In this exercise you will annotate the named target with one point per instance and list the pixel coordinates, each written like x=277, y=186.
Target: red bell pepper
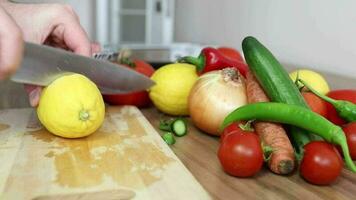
x=140, y=98
x=212, y=59
x=231, y=53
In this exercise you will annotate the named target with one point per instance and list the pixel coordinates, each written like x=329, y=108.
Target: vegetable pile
x=263, y=114
x=294, y=122
x=317, y=142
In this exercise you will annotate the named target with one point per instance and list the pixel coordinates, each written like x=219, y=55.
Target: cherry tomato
x=231, y=53
x=321, y=163
x=139, y=99
x=350, y=133
x=241, y=154
x=315, y=103
x=332, y=115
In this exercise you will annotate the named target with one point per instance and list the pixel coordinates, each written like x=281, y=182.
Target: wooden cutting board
x=125, y=159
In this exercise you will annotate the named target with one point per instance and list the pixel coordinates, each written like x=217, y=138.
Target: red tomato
x=231, y=53
x=241, y=154
x=348, y=95
x=321, y=163
x=139, y=99
x=315, y=103
x=233, y=127
x=350, y=133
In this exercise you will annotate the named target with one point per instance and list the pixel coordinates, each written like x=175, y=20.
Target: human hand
x=55, y=25
x=11, y=45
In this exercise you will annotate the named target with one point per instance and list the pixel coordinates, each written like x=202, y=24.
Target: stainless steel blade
x=43, y=64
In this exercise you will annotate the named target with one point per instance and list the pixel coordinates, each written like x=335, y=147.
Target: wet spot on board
x=4, y=127
x=124, y=157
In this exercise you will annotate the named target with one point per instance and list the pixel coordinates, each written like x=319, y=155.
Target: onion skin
x=214, y=95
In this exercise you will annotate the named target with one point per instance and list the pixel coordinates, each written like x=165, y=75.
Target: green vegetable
x=346, y=109
x=296, y=116
x=178, y=126
x=168, y=137
x=277, y=84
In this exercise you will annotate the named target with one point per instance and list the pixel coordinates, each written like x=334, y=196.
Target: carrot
x=281, y=160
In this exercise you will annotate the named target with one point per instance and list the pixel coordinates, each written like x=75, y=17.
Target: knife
x=43, y=64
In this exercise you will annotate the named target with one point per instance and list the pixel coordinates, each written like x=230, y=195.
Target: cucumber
x=168, y=137
x=277, y=84
x=178, y=126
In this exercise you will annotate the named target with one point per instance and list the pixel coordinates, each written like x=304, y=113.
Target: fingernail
x=35, y=96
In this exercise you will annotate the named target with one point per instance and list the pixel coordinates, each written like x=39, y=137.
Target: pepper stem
x=199, y=62
x=330, y=100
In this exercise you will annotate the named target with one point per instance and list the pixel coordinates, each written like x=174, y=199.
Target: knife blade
x=43, y=64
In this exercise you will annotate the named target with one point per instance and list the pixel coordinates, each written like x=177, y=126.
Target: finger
x=76, y=39
x=73, y=36
x=11, y=45
x=34, y=94
x=95, y=47
x=57, y=44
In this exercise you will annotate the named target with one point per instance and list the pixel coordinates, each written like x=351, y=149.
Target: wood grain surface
x=198, y=152
x=125, y=159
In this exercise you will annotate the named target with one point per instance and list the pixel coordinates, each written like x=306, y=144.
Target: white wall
x=319, y=34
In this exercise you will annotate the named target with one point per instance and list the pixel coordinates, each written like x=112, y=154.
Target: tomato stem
x=247, y=126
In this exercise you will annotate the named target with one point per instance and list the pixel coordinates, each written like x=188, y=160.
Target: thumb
x=34, y=94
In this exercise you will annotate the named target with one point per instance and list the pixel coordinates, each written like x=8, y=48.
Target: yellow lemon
x=312, y=78
x=71, y=107
x=173, y=84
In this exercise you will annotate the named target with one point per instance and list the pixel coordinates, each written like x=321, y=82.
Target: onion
x=214, y=95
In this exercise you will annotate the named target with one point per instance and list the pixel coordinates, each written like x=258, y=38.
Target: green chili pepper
x=346, y=109
x=296, y=116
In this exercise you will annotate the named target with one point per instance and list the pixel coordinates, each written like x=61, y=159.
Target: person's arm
x=11, y=45
x=56, y=25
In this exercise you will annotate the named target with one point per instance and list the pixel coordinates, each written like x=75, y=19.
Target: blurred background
x=318, y=34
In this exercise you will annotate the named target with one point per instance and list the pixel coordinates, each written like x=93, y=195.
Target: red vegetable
x=350, y=133
x=315, y=103
x=321, y=163
x=211, y=59
x=348, y=95
x=139, y=99
x=240, y=153
x=231, y=53
x=233, y=127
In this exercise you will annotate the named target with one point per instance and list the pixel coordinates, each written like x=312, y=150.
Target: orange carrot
x=282, y=160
